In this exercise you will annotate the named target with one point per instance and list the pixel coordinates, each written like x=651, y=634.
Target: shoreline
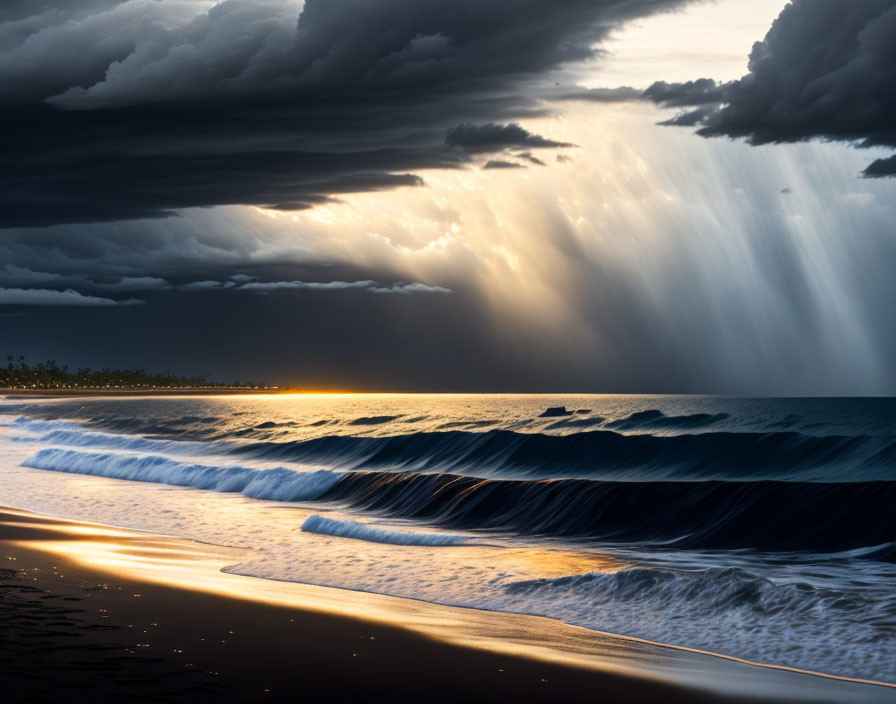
x=328, y=638
x=241, y=649
x=13, y=393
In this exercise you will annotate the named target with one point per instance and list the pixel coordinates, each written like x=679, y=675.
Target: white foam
x=362, y=531
x=277, y=484
x=75, y=437
x=768, y=611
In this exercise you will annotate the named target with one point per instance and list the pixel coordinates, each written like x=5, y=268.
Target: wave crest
x=603, y=453
x=715, y=589
x=278, y=484
x=763, y=515
x=372, y=534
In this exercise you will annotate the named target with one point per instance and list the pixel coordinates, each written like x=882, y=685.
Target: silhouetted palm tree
x=48, y=375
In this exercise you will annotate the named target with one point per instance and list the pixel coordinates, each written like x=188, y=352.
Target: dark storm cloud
x=365, y=285
x=690, y=118
x=20, y=276
x=122, y=110
x=18, y=10
x=527, y=156
x=33, y=296
x=407, y=288
x=699, y=92
x=500, y=164
x=824, y=70
x=705, y=96
x=146, y=284
x=203, y=249
x=882, y=167
x=605, y=95
x=135, y=283
x=49, y=297
x=491, y=137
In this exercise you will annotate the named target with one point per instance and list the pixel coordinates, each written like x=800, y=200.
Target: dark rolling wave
x=761, y=515
x=601, y=453
x=761, y=529
x=657, y=419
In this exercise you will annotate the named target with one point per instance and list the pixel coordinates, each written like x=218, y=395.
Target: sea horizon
x=448, y=351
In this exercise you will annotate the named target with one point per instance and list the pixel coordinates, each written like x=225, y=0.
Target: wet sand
x=88, y=612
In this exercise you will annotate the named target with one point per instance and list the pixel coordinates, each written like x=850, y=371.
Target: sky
x=620, y=196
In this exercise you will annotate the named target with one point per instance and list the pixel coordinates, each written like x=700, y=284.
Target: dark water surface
x=760, y=528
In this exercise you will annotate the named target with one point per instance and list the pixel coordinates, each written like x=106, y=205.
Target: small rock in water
x=555, y=411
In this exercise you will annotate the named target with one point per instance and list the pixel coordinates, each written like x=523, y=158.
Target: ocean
x=763, y=529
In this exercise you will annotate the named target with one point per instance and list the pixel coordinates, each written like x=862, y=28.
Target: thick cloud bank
x=49, y=297
x=643, y=259
x=147, y=284
x=132, y=109
x=826, y=69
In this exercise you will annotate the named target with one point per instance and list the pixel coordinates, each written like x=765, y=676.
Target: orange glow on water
x=182, y=564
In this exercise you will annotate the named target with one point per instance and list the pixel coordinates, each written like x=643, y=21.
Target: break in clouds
x=823, y=71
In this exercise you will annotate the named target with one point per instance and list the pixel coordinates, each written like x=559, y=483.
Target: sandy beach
x=89, y=611
x=73, y=628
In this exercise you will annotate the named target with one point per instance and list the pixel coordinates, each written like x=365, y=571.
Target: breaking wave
x=729, y=610
x=372, y=534
x=657, y=419
x=599, y=453
x=74, y=435
x=278, y=484
x=715, y=589
x=763, y=515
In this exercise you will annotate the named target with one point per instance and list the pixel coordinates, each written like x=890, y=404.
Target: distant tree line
x=49, y=375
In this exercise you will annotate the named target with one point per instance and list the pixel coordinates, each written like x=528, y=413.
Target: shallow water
x=758, y=528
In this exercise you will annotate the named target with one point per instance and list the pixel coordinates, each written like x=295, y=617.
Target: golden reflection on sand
x=545, y=563
x=145, y=557
x=169, y=561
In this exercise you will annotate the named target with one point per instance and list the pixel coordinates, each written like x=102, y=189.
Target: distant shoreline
x=11, y=392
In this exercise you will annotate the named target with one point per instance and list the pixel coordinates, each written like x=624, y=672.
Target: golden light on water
x=317, y=392
x=544, y=563
x=132, y=555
